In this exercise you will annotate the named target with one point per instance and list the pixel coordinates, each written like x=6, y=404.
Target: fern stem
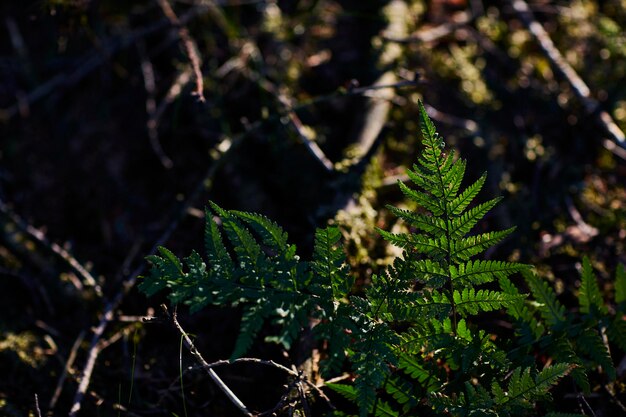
x=446, y=216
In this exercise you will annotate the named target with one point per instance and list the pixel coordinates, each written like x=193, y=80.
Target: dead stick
x=91, y=62
x=190, y=47
x=40, y=238
x=150, y=86
x=218, y=381
x=558, y=61
x=66, y=369
x=223, y=150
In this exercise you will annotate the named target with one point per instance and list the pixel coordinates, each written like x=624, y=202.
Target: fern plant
x=580, y=337
x=410, y=338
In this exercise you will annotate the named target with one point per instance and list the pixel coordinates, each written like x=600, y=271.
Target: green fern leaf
x=427, y=224
x=460, y=202
x=464, y=249
x=329, y=263
x=470, y=301
x=589, y=296
x=251, y=323
x=590, y=342
x=219, y=259
x=167, y=270
x=273, y=235
x=462, y=225
x=549, y=307
x=429, y=272
x=617, y=332
x=424, y=200
x=480, y=272
x=401, y=391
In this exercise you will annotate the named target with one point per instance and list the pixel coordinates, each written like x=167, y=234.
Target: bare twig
x=66, y=369
x=190, y=46
x=92, y=60
x=39, y=237
x=457, y=20
x=467, y=124
x=221, y=154
x=150, y=86
x=558, y=61
x=218, y=381
x=175, y=89
x=37, y=406
x=208, y=367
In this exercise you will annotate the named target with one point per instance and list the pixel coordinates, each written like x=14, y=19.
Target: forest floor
x=119, y=121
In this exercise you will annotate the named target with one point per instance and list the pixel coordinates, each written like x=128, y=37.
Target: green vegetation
x=121, y=121
x=413, y=332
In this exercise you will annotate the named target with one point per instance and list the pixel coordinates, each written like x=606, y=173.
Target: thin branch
x=66, y=369
x=92, y=60
x=218, y=381
x=220, y=155
x=38, y=236
x=37, y=406
x=209, y=366
x=433, y=34
x=592, y=106
x=150, y=86
x=190, y=47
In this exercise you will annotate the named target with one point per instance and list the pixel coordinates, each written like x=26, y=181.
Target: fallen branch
x=66, y=370
x=151, y=108
x=39, y=237
x=208, y=367
x=220, y=156
x=91, y=61
x=218, y=381
x=592, y=106
x=190, y=47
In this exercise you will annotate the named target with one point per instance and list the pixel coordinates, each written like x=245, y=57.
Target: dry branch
x=218, y=381
x=190, y=47
x=562, y=66
x=221, y=153
x=149, y=83
x=39, y=237
x=208, y=367
x=92, y=60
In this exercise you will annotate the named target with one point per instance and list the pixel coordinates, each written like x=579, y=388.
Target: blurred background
x=119, y=121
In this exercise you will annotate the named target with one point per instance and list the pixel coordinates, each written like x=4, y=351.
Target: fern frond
x=480, y=272
x=551, y=310
x=470, y=301
x=589, y=296
x=460, y=202
x=430, y=272
x=401, y=391
x=465, y=248
x=166, y=270
x=272, y=234
x=251, y=323
x=329, y=263
x=462, y=225
x=418, y=243
x=427, y=224
x=617, y=332
x=523, y=390
x=562, y=350
x=435, y=206
x=590, y=342
x=372, y=354
x=219, y=259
